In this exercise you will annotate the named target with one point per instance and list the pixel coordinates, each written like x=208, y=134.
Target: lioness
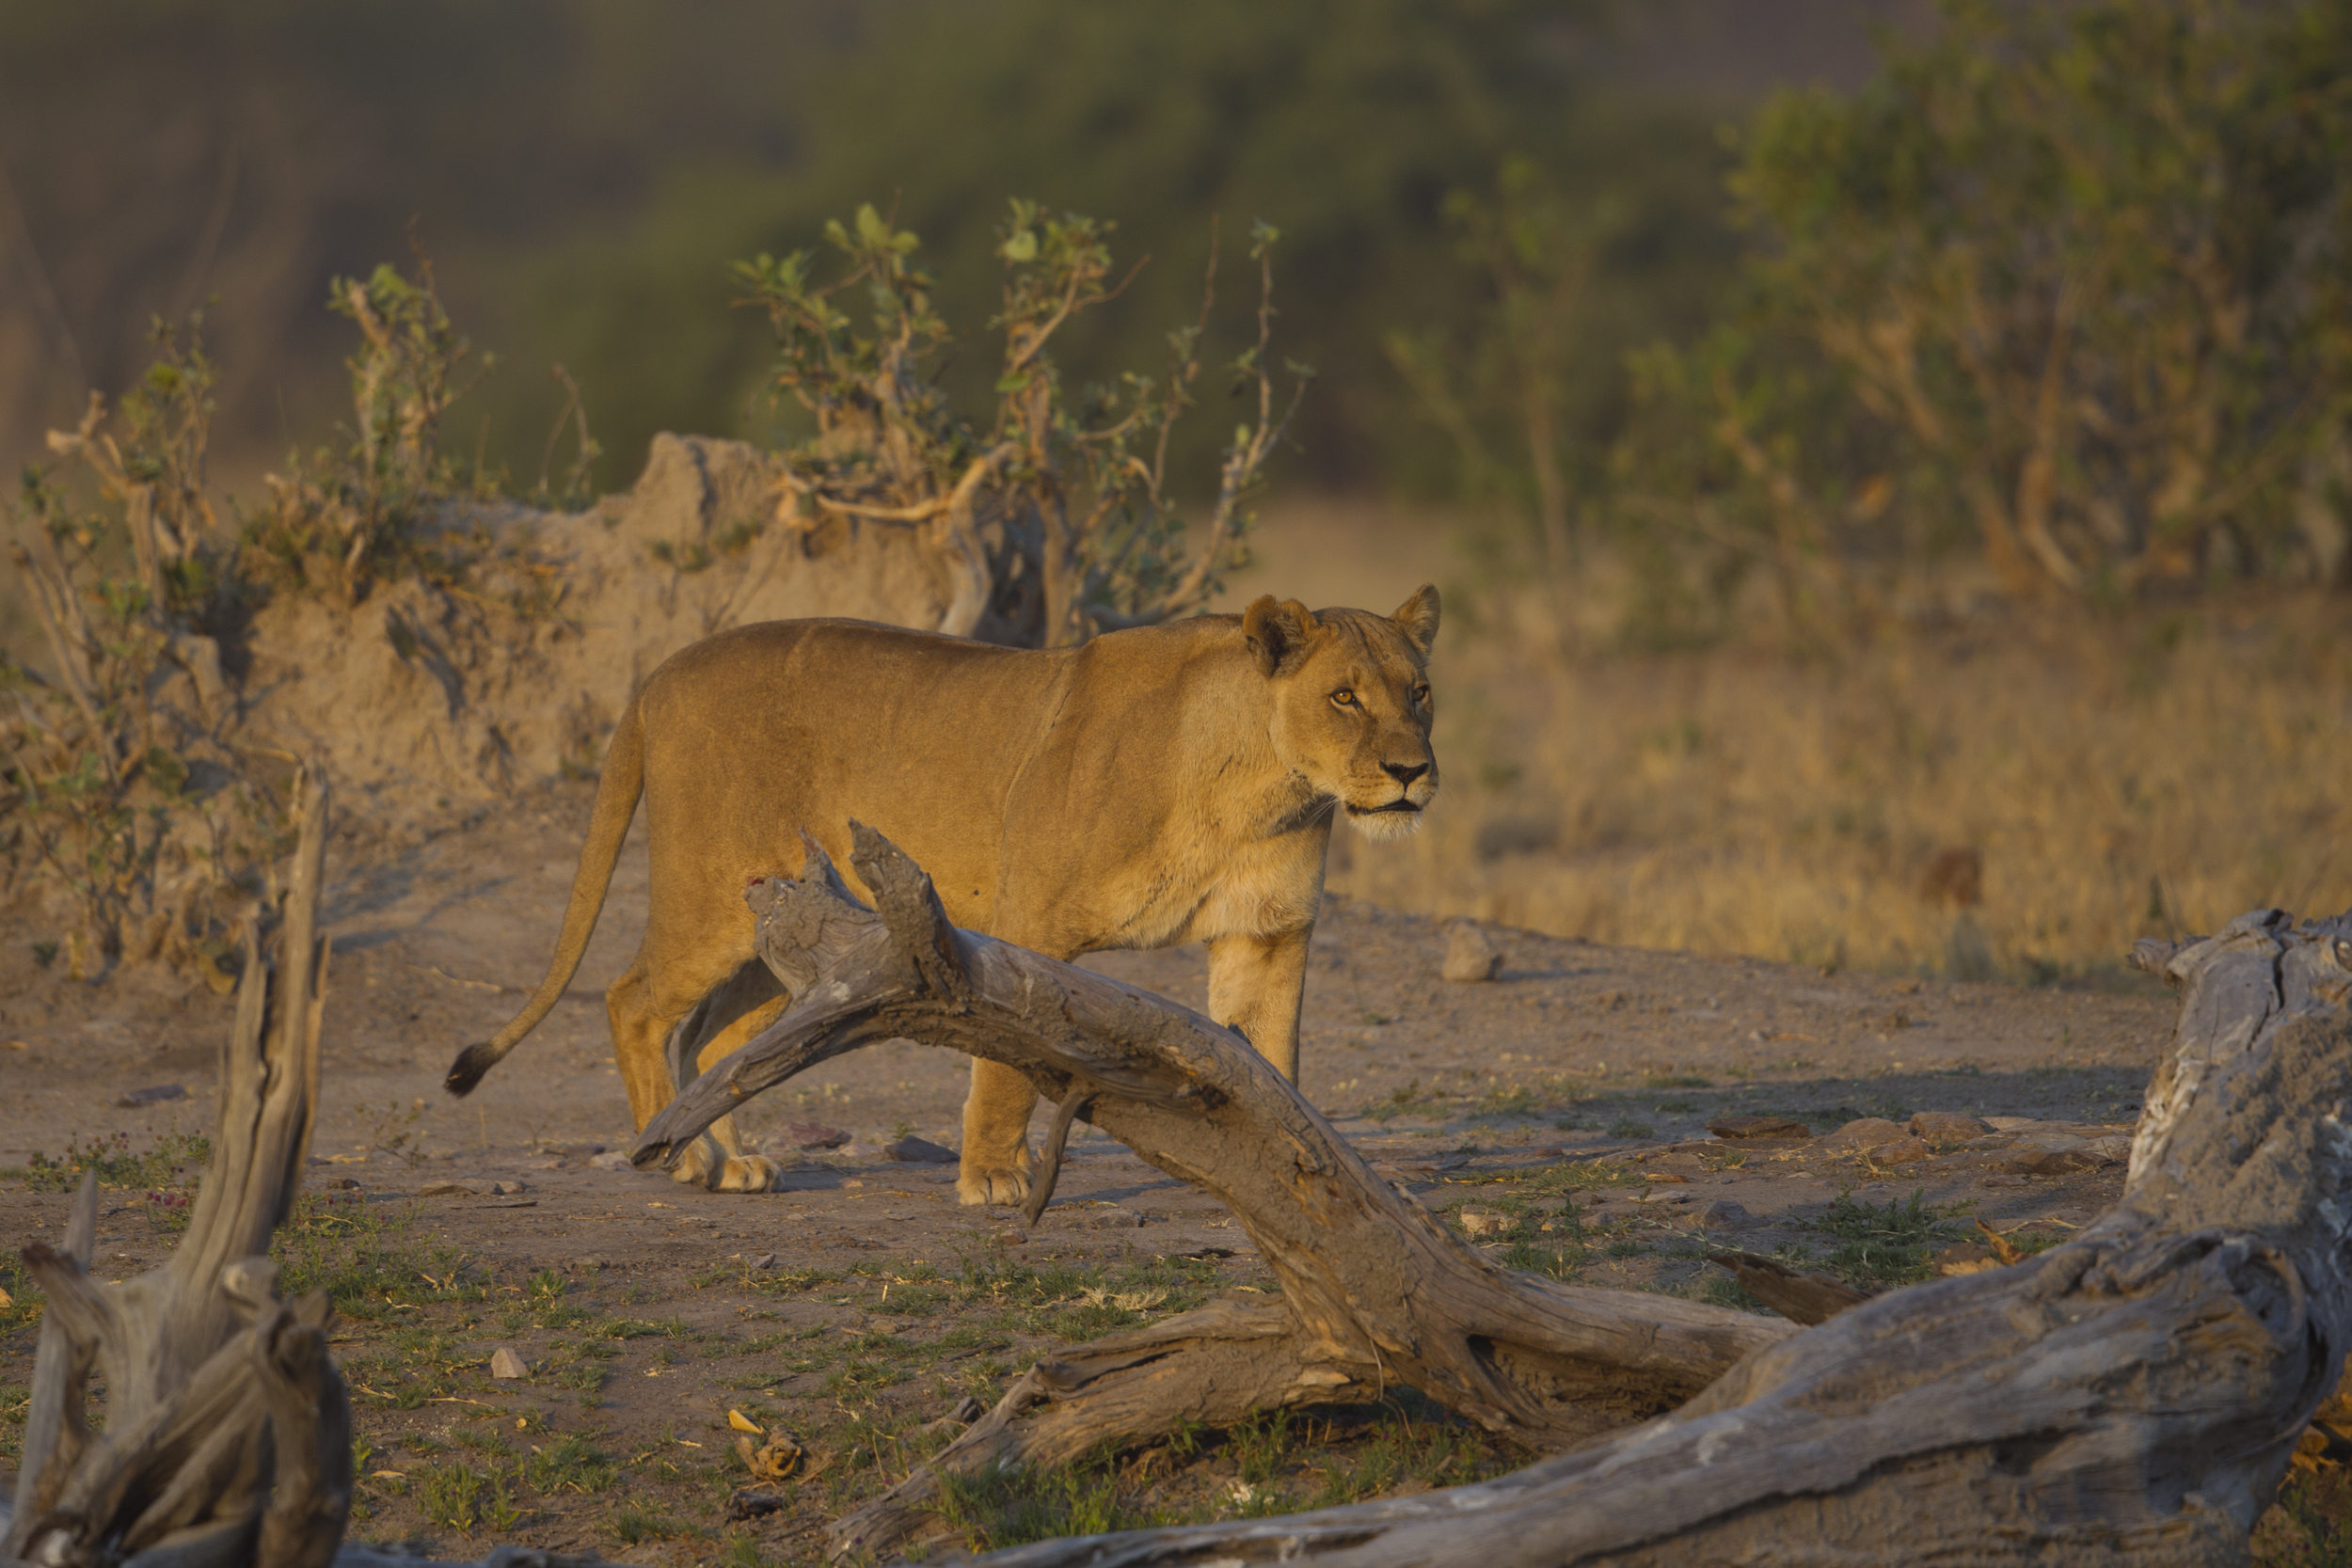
x=1166, y=784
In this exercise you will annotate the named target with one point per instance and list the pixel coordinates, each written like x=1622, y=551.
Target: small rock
x=589, y=1264
x=1948, y=1126
x=451, y=1189
x=2051, y=1154
x=1484, y=1222
x=510, y=1189
x=2010, y=1124
x=1733, y=1129
x=344, y=1183
x=765, y=1260
x=1664, y=1195
x=1468, y=956
x=505, y=1364
x=614, y=1160
x=1864, y=1133
x=155, y=1095
x=920, y=1151
x=1901, y=1152
x=815, y=1135
x=1721, y=1213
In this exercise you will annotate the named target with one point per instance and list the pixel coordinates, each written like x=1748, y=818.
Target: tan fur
x=1168, y=784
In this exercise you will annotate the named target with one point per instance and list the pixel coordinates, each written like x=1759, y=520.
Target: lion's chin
x=1382, y=826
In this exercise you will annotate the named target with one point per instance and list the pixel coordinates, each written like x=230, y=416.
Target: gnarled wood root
x=1374, y=1292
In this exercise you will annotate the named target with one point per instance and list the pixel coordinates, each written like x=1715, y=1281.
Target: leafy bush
x=1056, y=518
x=2069, y=282
x=109, y=798
x=122, y=789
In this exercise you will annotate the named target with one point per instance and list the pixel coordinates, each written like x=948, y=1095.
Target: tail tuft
x=471, y=1063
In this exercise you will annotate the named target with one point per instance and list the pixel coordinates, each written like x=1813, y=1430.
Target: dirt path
x=1563, y=1106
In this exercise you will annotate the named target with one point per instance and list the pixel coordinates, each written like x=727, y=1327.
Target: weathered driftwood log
x=228, y=1437
x=2132, y=1397
x=1374, y=1292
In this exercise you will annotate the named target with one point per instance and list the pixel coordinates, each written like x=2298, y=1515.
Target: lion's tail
x=608, y=825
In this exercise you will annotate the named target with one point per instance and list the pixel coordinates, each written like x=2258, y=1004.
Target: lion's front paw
x=746, y=1173
x=735, y=1173
x=1006, y=1185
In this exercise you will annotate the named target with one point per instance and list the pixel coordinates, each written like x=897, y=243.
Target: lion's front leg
x=1256, y=984
x=995, y=1163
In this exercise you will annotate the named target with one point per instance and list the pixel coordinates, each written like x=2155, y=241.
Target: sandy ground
x=646, y=1311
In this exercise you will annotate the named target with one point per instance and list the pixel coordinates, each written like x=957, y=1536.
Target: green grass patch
x=632, y=1523
x=1401, y=1102
x=466, y=1497
x=369, y=1260
x=570, y=1464
x=1627, y=1127
x=1887, y=1244
x=1510, y=1099
x=1014, y=1505
x=1427, y=1444
x=175, y=1161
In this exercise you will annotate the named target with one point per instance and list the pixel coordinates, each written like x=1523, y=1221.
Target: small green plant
x=461, y=1497
x=1628, y=1126
x=168, y=1163
x=1885, y=1244
x=1509, y=1099
x=1401, y=1102
x=131, y=587
x=346, y=517
x=1011, y=1505
x=570, y=1464
x=1072, y=486
x=633, y=1523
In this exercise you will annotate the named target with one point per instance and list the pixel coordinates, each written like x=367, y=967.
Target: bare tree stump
x=228, y=1437
x=1374, y=1292
x=2132, y=1397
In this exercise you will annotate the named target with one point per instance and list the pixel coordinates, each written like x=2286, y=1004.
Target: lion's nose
x=1404, y=773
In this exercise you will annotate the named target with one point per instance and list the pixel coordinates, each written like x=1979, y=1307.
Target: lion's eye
x=1343, y=697
x=1421, y=695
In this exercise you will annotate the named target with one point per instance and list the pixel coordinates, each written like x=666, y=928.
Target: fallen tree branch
x=1374, y=1292
x=2132, y=1397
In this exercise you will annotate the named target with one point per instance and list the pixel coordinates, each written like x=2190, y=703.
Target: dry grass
x=2112, y=779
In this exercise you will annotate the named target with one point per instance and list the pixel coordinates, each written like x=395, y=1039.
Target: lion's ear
x=1417, y=617
x=1276, y=632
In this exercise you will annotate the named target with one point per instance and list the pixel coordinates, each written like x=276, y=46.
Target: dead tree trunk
x=2132, y=1397
x=228, y=1437
x=1375, y=1293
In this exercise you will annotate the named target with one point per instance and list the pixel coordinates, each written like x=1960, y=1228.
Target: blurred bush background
x=1888, y=460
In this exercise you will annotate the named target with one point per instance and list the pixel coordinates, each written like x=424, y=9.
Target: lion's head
x=1351, y=706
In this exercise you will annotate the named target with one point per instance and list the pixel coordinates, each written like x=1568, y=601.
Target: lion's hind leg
x=727, y=1016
